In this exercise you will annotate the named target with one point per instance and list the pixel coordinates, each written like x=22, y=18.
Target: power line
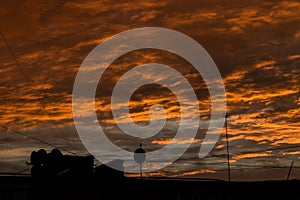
x=256, y=151
x=13, y=174
x=37, y=139
x=245, y=166
x=31, y=87
x=17, y=173
x=14, y=57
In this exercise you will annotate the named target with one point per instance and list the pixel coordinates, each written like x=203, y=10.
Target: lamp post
x=140, y=157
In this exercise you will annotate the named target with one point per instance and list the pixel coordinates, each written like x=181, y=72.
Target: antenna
x=290, y=170
x=228, y=155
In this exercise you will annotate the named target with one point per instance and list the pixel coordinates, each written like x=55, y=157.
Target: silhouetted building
x=104, y=172
x=53, y=164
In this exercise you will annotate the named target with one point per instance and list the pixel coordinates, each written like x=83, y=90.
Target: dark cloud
x=255, y=45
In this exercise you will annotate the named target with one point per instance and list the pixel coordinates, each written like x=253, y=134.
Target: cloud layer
x=255, y=45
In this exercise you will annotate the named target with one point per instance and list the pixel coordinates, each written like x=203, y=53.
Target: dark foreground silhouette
x=25, y=188
x=55, y=176
x=55, y=165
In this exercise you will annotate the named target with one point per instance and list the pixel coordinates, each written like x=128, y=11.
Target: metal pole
x=228, y=156
x=288, y=176
x=141, y=172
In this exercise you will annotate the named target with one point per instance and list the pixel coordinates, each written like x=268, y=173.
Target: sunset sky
x=255, y=45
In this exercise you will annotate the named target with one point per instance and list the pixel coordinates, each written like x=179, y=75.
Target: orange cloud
x=258, y=16
x=293, y=57
x=193, y=173
x=175, y=141
x=291, y=153
x=189, y=18
x=265, y=64
x=251, y=155
x=50, y=41
x=253, y=95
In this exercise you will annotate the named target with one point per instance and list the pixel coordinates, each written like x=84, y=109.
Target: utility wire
x=31, y=87
x=49, y=144
x=256, y=151
x=37, y=139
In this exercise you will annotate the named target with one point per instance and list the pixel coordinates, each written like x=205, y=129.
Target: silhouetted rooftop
x=25, y=188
